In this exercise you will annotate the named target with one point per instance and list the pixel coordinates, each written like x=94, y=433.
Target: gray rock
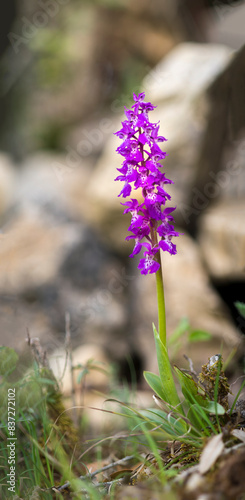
x=227, y=24
x=45, y=183
x=186, y=72
x=60, y=365
x=32, y=251
x=63, y=266
x=222, y=240
x=19, y=314
x=52, y=262
x=223, y=138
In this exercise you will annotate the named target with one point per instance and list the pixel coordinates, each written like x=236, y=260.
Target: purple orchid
x=141, y=169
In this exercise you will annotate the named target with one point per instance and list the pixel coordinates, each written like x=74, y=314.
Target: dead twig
x=109, y=466
x=38, y=353
x=92, y=475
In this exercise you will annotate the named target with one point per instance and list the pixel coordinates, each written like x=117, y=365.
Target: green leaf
x=189, y=387
x=181, y=329
x=198, y=403
x=47, y=381
x=215, y=408
x=199, y=336
x=169, y=423
x=194, y=415
x=82, y=374
x=165, y=372
x=240, y=307
x=155, y=384
x=237, y=396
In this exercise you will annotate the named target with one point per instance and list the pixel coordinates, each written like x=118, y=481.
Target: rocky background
x=69, y=67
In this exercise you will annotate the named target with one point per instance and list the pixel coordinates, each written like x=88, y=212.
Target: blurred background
x=68, y=69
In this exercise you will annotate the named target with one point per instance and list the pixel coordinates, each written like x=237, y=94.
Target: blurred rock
x=94, y=291
x=87, y=141
x=227, y=24
x=188, y=295
x=222, y=240
x=224, y=134
x=228, y=183
x=81, y=356
x=221, y=224
x=107, y=214
x=54, y=185
x=52, y=262
x=96, y=407
x=19, y=314
x=174, y=79
x=64, y=267
x=32, y=251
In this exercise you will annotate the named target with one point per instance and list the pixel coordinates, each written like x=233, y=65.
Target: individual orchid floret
x=149, y=264
x=141, y=168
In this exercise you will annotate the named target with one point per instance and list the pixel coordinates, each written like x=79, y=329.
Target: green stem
x=164, y=365
x=161, y=306
x=160, y=294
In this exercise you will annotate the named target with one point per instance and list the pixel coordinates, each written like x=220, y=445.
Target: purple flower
x=141, y=169
x=149, y=264
x=137, y=246
x=166, y=243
